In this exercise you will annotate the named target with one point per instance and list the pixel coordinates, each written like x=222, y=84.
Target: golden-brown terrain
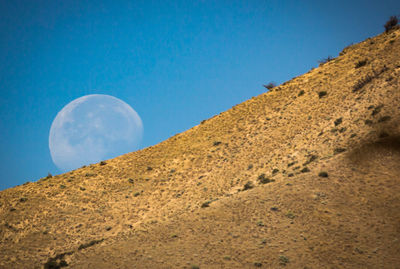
x=306, y=175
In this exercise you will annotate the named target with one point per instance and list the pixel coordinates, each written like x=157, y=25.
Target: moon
x=93, y=128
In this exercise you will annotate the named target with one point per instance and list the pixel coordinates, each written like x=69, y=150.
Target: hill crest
x=303, y=175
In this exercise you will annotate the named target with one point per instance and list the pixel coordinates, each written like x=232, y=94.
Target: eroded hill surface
x=304, y=176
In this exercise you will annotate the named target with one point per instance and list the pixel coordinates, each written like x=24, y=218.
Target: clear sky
x=175, y=62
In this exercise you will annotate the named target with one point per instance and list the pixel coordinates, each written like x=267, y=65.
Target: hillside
x=306, y=175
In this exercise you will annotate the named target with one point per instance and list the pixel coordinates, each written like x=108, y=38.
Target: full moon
x=93, y=128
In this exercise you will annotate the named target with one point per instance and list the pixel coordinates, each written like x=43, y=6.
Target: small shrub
x=82, y=188
x=275, y=171
x=361, y=63
x=310, y=159
x=57, y=261
x=216, y=143
x=91, y=243
x=323, y=174
x=195, y=267
x=283, y=260
x=264, y=180
x=257, y=264
x=270, y=85
x=326, y=60
x=338, y=121
x=305, y=170
x=62, y=186
x=23, y=199
x=103, y=163
x=391, y=23
x=205, y=204
x=339, y=150
x=250, y=167
x=300, y=93
x=368, y=122
x=376, y=110
x=290, y=215
x=322, y=94
x=149, y=168
x=136, y=194
x=49, y=175
x=249, y=185
x=362, y=82
x=384, y=118
x=131, y=180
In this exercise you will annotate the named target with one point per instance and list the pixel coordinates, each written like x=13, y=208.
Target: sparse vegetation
x=290, y=215
x=283, y=260
x=57, y=262
x=326, y=60
x=368, y=122
x=249, y=185
x=391, y=23
x=311, y=158
x=384, y=119
x=216, y=143
x=362, y=82
x=264, y=180
x=338, y=121
x=322, y=94
x=323, y=174
x=136, y=194
x=361, y=63
x=91, y=243
x=205, y=204
x=270, y=85
x=103, y=163
x=376, y=110
x=23, y=199
x=257, y=264
x=305, y=170
x=339, y=150
x=300, y=93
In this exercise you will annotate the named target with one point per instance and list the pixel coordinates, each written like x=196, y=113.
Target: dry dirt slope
x=241, y=190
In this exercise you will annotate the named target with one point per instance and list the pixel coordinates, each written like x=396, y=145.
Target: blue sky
x=175, y=62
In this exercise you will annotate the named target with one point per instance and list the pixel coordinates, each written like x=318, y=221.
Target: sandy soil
x=303, y=176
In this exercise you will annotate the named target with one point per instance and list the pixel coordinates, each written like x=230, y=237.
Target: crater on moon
x=93, y=128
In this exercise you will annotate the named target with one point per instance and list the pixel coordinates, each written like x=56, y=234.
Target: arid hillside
x=306, y=175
